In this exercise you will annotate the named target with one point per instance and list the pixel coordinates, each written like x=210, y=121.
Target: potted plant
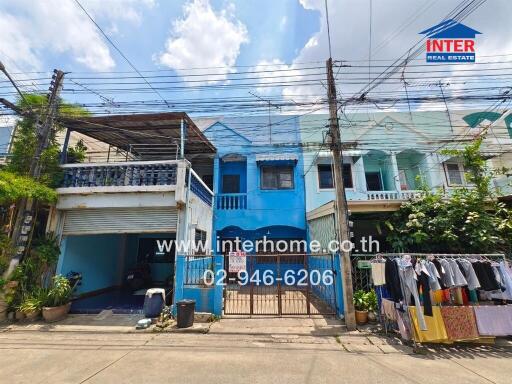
x=372, y=305
x=32, y=304
x=361, y=306
x=57, y=301
x=30, y=307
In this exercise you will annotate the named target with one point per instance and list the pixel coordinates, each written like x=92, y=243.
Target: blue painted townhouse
x=388, y=157
x=258, y=183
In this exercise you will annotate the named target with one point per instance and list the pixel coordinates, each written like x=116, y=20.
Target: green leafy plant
x=360, y=300
x=77, y=153
x=25, y=141
x=371, y=298
x=47, y=250
x=6, y=251
x=33, y=302
x=14, y=187
x=468, y=219
x=35, y=271
x=59, y=293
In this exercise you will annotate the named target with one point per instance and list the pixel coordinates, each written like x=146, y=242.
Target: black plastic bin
x=186, y=310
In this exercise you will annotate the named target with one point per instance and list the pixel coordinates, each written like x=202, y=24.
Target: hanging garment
x=404, y=325
x=435, y=332
x=457, y=296
x=465, y=295
x=392, y=278
x=437, y=297
x=473, y=297
x=460, y=323
x=433, y=278
x=382, y=293
x=447, y=276
x=440, y=272
x=424, y=285
x=378, y=273
x=497, y=277
x=494, y=320
x=506, y=278
x=485, y=276
x=458, y=278
x=409, y=283
x=469, y=273
x=501, y=279
x=447, y=296
x=388, y=309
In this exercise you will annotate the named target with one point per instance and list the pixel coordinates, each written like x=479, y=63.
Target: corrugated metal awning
x=277, y=157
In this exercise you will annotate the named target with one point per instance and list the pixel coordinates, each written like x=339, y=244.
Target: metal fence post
x=337, y=267
x=179, y=275
x=218, y=265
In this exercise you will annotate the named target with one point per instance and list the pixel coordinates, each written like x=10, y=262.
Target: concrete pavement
x=282, y=351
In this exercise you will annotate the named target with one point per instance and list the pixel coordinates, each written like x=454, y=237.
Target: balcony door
x=230, y=183
x=373, y=181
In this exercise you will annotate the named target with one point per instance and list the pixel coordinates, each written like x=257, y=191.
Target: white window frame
x=350, y=162
x=461, y=171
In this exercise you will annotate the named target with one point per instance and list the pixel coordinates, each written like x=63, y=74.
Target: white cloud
x=396, y=26
x=267, y=78
x=204, y=38
x=32, y=28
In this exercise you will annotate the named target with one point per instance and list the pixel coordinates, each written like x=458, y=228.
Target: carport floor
x=119, y=301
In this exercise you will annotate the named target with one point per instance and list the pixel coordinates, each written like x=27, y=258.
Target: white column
x=360, y=178
x=395, y=173
x=434, y=171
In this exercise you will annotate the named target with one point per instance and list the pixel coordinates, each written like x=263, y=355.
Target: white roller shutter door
x=120, y=220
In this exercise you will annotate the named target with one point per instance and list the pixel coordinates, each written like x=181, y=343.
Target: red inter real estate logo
x=450, y=42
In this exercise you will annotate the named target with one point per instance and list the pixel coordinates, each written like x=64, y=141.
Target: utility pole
x=341, y=207
x=26, y=209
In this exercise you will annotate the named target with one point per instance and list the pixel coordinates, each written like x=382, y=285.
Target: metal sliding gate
x=281, y=285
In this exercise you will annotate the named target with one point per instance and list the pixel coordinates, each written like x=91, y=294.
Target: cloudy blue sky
x=225, y=35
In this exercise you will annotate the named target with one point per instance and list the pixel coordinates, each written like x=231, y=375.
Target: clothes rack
x=492, y=258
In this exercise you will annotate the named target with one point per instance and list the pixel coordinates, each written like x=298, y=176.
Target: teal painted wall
x=101, y=260
x=96, y=257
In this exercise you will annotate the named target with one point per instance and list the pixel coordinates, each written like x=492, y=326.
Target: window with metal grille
x=200, y=238
x=276, y=177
